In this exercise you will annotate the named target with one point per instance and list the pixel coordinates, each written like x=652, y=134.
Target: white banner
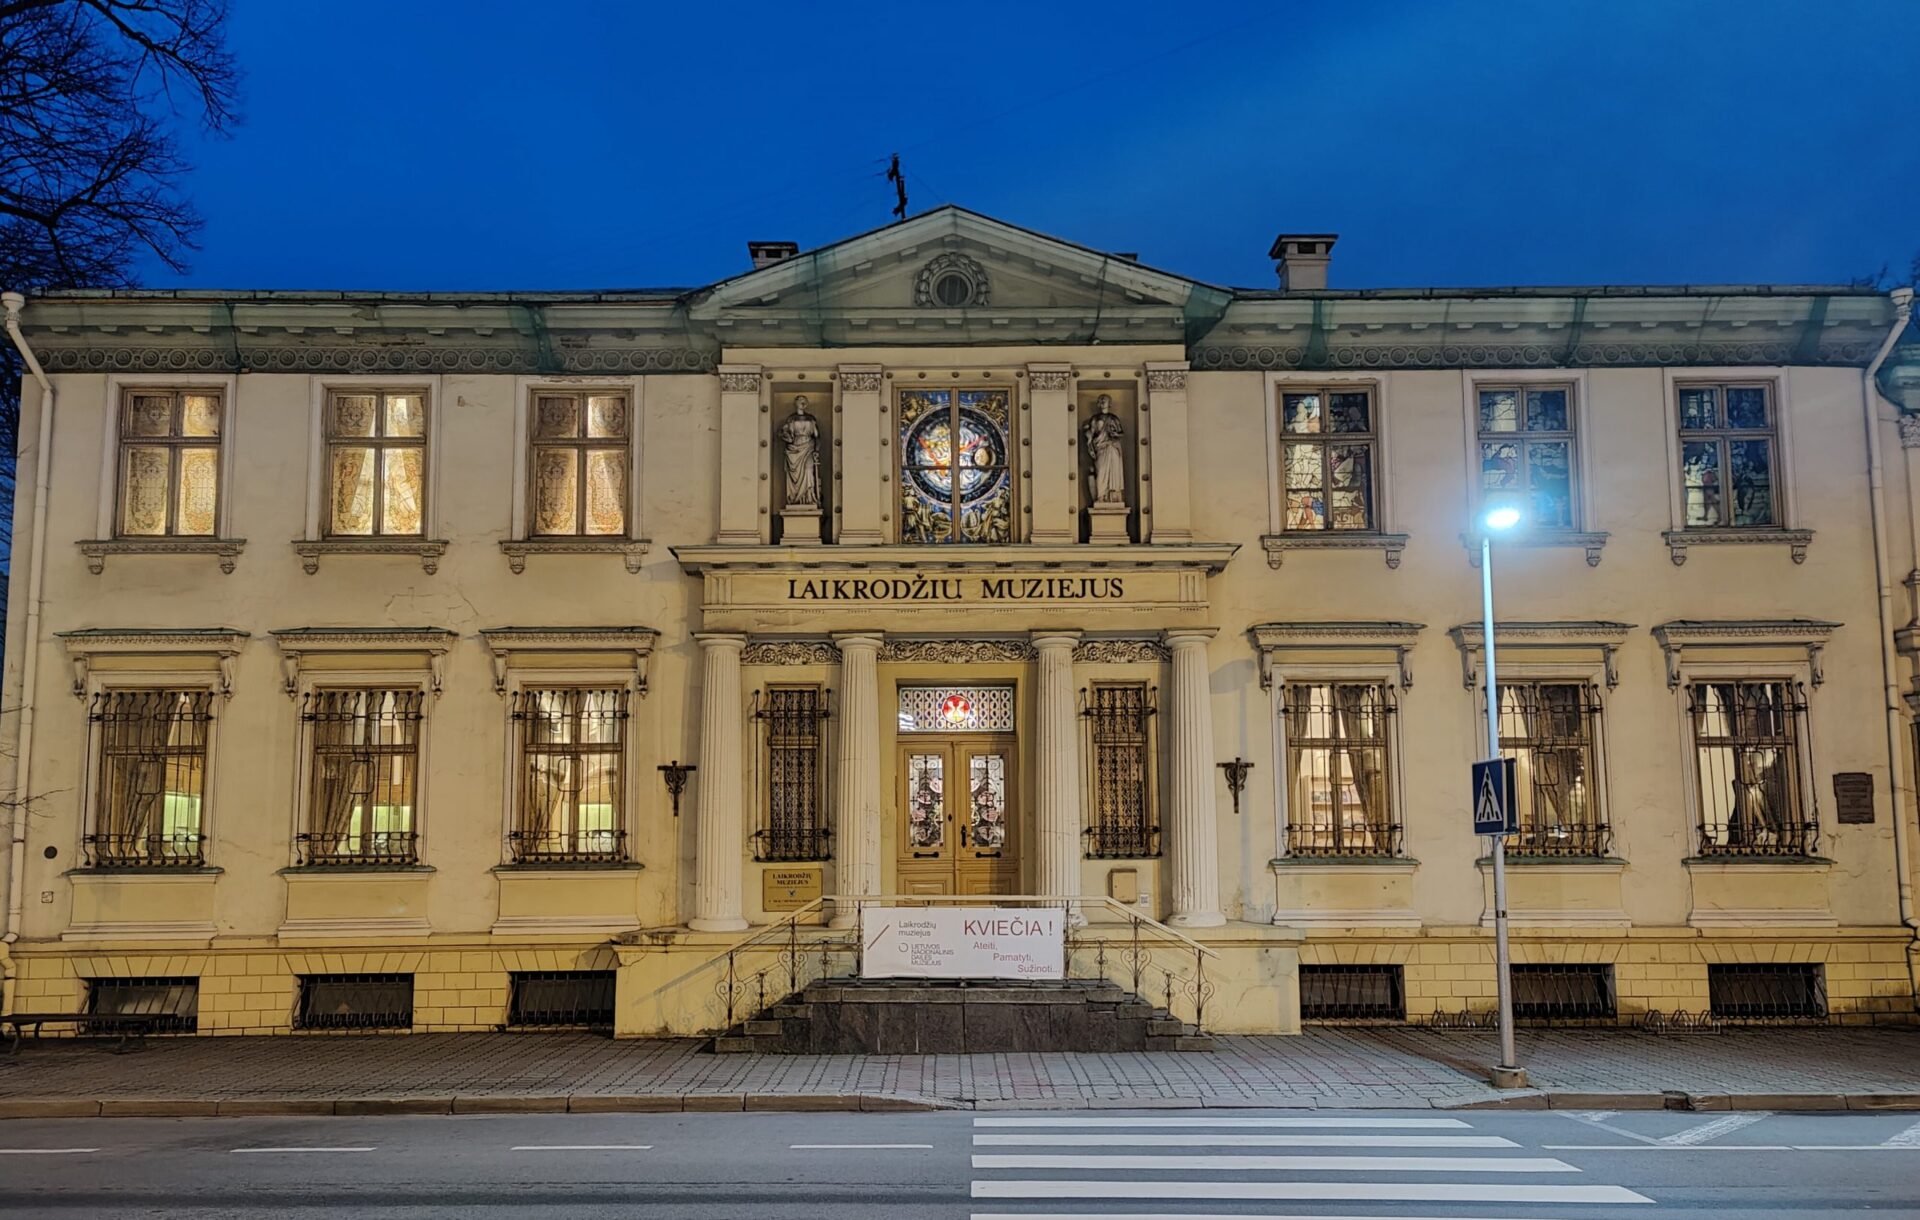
x=963, y=943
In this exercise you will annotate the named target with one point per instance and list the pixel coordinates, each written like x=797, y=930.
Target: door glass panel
x=987, y=801
x=926, y=800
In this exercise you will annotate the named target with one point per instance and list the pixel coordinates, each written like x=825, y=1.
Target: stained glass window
x=170, y=463
x=1526, y=450
x=987, y=801
x=956, y=482
x=926, y=800
x=376, y=463
x=1327, y=450
x=579, y=464
x=1727, y=456
x=956, y=709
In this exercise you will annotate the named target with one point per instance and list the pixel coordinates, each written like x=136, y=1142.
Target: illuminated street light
x=1498, y=517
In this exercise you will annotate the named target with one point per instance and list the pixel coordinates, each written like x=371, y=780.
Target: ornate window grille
x=1551, y=730
x=578, y=466
x=1747, y=740
x=1119, y=718
x=793, y=722
x=363, y=795
x=1727, y=456
x=169, y=464
x=571, y=747
x=152, y=778
x=1527, y=449
x=376, y=463
x=1327, y=451
x=1340, y=800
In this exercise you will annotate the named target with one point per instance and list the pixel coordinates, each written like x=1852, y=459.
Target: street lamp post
x=1507, y=1074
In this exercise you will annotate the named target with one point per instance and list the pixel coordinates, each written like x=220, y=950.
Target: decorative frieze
x=1280, y=358
x=957, y=652
x=860, y=381
x=739, y=383
x=1166, y=380
x=374, y=358
x=1050, y=380
x=1120, y=652
x=790, y=652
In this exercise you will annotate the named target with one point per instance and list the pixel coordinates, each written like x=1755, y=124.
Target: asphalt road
x=1140, y=1165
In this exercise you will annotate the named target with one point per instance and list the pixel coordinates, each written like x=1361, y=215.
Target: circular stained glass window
x=977, y=457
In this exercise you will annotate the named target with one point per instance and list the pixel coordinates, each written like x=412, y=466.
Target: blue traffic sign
x=1494, y=810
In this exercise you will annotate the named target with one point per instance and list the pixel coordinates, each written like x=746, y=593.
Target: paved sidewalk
x=1767, y=1069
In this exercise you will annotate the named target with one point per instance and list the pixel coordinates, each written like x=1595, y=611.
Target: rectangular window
x=354, y=1001
x=1352, y=993
x=1747, y=741
x=793, y=719
x=572, y=761
x=169, y=463
x=376, y=463
x=152, y=778
x=1550, y=730
x=1767, y=991
x=956, y=479
x=1327, y=439
x=1339, y=799
x=560, y=999
x=579, y=464
x=1569, y=992
x=1728, y=456
x=1527, y=450
x=175, y=1002
x=365, y=764
x=1119, y=715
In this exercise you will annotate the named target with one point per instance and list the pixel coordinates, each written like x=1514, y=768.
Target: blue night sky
x=482, y=144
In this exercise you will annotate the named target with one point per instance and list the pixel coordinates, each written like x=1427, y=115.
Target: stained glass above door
x=956, y=709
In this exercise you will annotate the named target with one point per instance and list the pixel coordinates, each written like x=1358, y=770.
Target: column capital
x=721, y=639
x=1188, y=637
x=1047, y=640
x=860, y=378
x=858, y=639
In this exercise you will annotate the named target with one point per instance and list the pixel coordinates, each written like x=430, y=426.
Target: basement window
x=1767, y=990
x=176, y=1001
x=1353, y=993
x=355, y=1001
x=561, y=998
x=1563, y=992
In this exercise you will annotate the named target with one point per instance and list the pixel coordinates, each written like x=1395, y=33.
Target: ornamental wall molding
x=1277, y=545
x=1114, y=652
x=1166, y=380
x=428, y=551
x=790, y=652
x=1050, y=380
x=1274, y=641
x=957, y=651
x=952, y=264
x=1584, y=635
x=297, y=643
x=633, y=551
x=1592, y=541
x=1679, y=635
x=510, y=644
x=96, y=550
x=1796, y=541
x=385, y=357
x=222, y=644
x=739, y=383
x=860, y=381
x=1335, y=355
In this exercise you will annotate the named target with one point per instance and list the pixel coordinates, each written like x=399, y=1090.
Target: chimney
x=1303, y=258
x=767, y=253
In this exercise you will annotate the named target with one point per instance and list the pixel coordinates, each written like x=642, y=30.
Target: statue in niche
x=800, y=437
x=1104, y=435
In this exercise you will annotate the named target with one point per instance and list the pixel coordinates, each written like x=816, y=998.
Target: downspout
x=1896, y=747
x=19, y=791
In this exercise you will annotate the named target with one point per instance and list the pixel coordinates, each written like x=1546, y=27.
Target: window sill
x=1591, y=540
x=633, y=550
x=1277, y=545
x=1678, y=541
x=142, y=870
x=97, y=549
x=1394, y=863
x=1612, y=864
x=311, y=550
x=327, y=870
x=569, y=866
x=1140, y=859
x=1758, y=862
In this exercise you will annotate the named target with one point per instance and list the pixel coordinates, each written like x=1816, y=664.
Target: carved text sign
x=956, y=589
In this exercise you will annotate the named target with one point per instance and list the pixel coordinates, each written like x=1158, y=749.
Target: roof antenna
x=899, y=179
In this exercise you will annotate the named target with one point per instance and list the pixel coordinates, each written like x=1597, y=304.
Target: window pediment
x=1595, y=640
x=214, y=647
x=1686, y=639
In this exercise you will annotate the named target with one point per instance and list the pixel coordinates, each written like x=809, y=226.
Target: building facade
x=365, y=641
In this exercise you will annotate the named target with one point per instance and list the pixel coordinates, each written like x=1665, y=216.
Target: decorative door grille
x=1119, y=720
x=793, y=721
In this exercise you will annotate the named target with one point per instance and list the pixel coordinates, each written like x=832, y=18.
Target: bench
x=127, y=1025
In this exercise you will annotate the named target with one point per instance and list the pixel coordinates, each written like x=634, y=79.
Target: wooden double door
x=959, y=817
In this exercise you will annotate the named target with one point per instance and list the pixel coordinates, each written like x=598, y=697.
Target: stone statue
x=800, y=437
x=1103, y=435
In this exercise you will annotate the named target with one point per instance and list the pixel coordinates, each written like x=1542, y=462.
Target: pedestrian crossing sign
x=1494, y=811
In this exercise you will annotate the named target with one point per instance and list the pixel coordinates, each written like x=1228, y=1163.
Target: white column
x=856, y=774
x=1056, y=788
x=718, y=843
x=1193, y=839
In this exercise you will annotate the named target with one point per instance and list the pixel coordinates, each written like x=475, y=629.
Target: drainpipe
x=19, y=792
x=1896, y=746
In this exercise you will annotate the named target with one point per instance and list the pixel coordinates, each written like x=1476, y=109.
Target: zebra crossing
x=1107, y=1168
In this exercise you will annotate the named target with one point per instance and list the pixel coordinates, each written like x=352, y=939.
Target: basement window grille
x=1767, y=991
x=793, y=724
x=355, y=1001
x=561, y=998
x=1563, y=993
x=1119, y=719
x=1353, y=993
x=176, y=1001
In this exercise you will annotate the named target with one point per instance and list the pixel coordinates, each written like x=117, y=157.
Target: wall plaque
x=1853, y=797
x=788, y=889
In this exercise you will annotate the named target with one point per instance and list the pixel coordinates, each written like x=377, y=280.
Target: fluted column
x=1056, y=786
x=856, y=773
x=718, y=843
x=1193, y=840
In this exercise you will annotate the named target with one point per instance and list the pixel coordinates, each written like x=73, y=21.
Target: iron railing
x=174, y=1002
x=144, y=851
x=1340, y=802
x=1120, y=743
x=1747, y=740
x=354, y=1001
x=568, y=846
x=350, y=848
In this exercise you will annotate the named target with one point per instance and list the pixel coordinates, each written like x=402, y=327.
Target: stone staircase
x=918, y=1017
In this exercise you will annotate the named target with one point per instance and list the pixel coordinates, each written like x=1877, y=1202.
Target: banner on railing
x=963, y=943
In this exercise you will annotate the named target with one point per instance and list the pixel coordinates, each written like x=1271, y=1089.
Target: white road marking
x=1856, y=1147
x=1189, y=1216
x=1579, y=1116
x=44, y=1151
x=1342, y=1124
x=1674, y=1147
x=818, y=1147
x=1225, y=1139
x=1592, y=1116
x=581, y=1148
x=1910, y=1138
x=1715, y=1129
x=300, y=1150
x=1320, y=1164
x=1429, y=1192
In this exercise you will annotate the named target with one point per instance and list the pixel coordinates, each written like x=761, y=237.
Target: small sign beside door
x=788, y=889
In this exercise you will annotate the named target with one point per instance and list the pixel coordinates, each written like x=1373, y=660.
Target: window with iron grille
x=355, y=1001
x=169, y=463
x=572, y=775
x=175, y=1001
x=793, y=721
x=1339, y=798
x=1526, y=451
x=1747, y=740
x=152, y=778
x=1352, y=993
x=1551, y=730
x=579, y=464
x=1327, y=439
x=1767, y=990
x=361, y=805
x=561, y=998
x=1563, y=992
x=1727, y=475
x=1119, y=721
x=376, y=463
